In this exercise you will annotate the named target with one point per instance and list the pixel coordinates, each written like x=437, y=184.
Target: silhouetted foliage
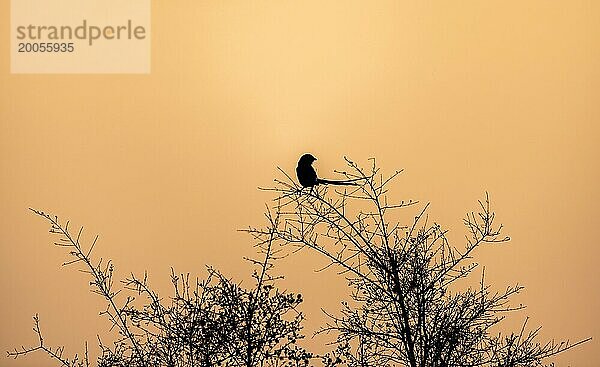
x=406, y=308
x=213, y=322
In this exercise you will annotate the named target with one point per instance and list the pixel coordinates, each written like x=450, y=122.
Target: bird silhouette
x=308, y=176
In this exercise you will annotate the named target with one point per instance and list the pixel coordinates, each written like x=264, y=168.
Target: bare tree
x=407, y=306
x=213, y=322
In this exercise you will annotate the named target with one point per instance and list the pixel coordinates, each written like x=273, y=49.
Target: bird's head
x=307, y=159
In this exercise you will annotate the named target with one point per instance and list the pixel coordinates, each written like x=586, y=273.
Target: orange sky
x=466, y=97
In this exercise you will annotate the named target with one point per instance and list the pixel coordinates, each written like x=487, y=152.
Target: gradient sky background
x=466, y=96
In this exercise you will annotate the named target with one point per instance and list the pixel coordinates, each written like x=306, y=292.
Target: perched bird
x=308, y=176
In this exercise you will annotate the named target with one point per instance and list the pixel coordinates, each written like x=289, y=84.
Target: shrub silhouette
x=213, y=322
x=407, y=307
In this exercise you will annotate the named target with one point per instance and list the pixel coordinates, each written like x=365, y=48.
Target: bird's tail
x=338, y=182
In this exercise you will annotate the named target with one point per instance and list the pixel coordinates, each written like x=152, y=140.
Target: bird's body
x=305, y=171
x=308, y=176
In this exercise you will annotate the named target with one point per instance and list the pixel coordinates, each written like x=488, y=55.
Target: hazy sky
x=466, y=96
